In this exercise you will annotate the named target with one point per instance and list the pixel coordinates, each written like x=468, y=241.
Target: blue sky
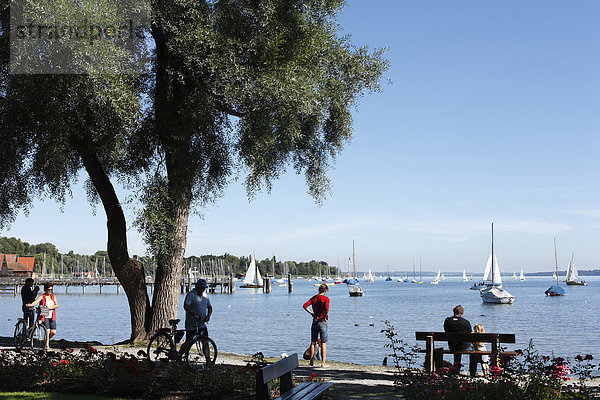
x=492, y=116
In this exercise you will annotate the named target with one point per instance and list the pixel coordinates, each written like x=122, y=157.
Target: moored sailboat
x=522, y=276
x=464, y=276
x=493, y=293
x=555, y=289
x=354, y=288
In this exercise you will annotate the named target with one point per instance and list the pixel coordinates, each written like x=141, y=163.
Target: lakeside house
x=14, y=266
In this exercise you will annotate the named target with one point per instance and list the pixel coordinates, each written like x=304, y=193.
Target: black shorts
x=49, y=324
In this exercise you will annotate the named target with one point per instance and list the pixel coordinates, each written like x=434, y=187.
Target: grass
x=51, y=396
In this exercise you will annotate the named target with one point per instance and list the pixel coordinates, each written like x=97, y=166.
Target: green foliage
x=528, y=376
x=90, y=371
x=206, y=264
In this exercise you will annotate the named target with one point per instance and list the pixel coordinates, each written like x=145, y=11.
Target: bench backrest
x=467, y=337
x=281, y=369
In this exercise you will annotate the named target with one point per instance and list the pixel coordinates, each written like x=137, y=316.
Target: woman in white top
x=49, y=300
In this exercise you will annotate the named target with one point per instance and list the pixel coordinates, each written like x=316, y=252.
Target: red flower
x=54, y=364
x=579, y=357
x=496, y=371
x=588, y=357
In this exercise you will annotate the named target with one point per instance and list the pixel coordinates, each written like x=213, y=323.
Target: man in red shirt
x=320, y=313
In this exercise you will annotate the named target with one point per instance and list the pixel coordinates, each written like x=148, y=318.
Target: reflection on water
x=250, y=321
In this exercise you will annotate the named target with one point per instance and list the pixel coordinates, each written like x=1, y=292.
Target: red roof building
x=14, y=266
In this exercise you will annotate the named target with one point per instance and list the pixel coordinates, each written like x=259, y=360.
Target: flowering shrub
x=527, y=376
x=118, y=374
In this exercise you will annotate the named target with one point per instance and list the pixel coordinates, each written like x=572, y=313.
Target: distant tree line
x=582, y=272
x=50, y=261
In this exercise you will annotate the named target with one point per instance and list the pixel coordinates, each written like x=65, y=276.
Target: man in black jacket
x=28, y=295
x=457, y=323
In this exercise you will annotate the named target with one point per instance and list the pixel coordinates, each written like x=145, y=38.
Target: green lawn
x=51, y=396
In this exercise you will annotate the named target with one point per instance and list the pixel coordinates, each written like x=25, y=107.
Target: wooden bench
x=433, y=356
x=283, y=369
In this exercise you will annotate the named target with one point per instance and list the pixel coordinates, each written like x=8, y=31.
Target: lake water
x=249, y=321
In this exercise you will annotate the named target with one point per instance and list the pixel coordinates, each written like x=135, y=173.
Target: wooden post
x=231, y=284
x=429, y=364
x=267, y=285
x=83, y=287
x=290, y=283
x=66, y=288
x=101, y=288
x=118, y=288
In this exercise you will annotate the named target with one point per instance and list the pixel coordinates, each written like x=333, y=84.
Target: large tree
x=254, y=86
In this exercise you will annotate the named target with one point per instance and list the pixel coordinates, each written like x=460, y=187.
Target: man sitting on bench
x=458, y=324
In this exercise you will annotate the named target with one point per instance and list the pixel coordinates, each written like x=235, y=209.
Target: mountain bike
x=198, y=351
x=34, y=336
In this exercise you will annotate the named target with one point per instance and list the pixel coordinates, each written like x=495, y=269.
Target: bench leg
x=438, y=358
x=473, y=361
x=457, y=359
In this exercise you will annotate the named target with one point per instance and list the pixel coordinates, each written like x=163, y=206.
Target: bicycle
x=36, y=335
x=163, y=346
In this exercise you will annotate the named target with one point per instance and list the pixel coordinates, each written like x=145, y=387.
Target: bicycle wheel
x=20, y=337
x=195, y=355
x=159, y=347
x=38, y=338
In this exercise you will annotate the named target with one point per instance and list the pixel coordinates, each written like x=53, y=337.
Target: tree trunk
x=168, y=271
x=171, y=131
x=130, y=272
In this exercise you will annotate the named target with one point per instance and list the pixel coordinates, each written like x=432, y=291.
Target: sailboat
x=493, y=293
x=354, y=289
x=555, y=290
x=515, y=276
x=572, y=277
x=389, y=278
x=522, y=276
x=252, y=278
x=369, y=277
x=464, y=277
x=437, y=278
x=414, y=279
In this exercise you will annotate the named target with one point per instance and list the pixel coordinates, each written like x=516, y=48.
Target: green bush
x=123, y=375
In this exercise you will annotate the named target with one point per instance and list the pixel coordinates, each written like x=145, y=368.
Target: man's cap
x=202, y=282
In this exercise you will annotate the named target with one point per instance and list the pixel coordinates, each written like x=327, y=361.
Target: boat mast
x=556, y=260
x=353, y=261
x=492, y=254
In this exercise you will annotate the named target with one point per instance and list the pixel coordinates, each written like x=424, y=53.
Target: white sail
x=253, y=274
x=437, y=278
x=572, y=274
x=522, y=276
x=487, y=275
x=464, y=277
